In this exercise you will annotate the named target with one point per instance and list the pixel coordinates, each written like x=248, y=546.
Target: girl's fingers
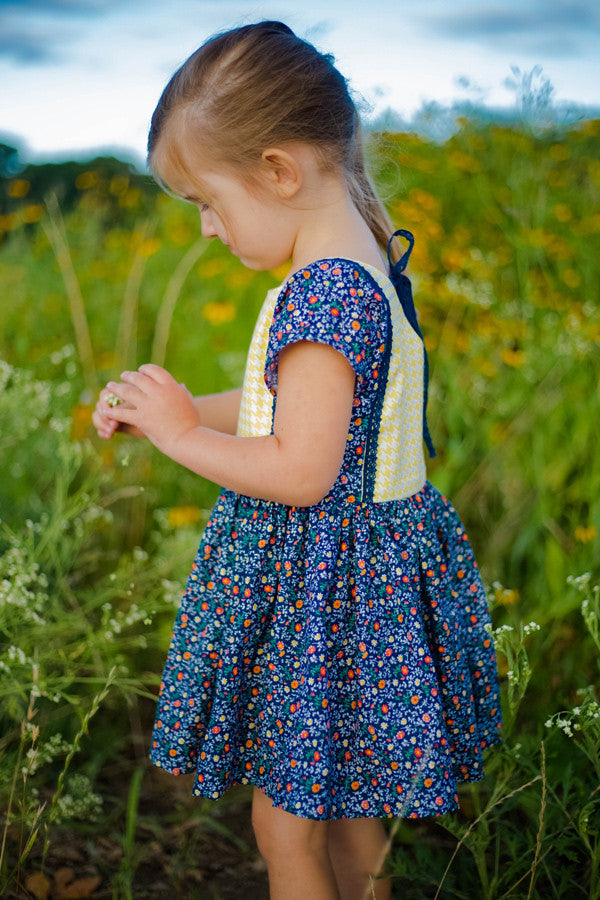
x=104, y=426
x=126, y=414
x=157, y=373
x=127, y=392
x=140, y=380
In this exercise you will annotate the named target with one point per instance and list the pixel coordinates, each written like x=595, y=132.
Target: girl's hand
x=154, y=403
x=105, y=424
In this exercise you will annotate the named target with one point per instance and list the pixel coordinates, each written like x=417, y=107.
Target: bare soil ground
x=184, y=848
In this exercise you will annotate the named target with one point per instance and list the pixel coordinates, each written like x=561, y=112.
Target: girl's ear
x=283, y=171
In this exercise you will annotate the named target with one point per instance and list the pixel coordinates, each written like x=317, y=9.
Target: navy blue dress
x=337, y=655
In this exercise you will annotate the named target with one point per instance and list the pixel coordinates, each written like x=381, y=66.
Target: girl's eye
x=203, y=207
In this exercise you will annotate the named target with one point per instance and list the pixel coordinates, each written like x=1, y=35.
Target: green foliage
x=79, y=612
x=120, y=189
x=96, y=537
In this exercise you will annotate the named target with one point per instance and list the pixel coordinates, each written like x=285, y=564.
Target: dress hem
x=267, y=787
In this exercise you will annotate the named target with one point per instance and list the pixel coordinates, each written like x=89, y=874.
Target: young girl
x=331, y=647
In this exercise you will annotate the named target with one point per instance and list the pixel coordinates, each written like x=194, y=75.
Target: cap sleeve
x=328, y=303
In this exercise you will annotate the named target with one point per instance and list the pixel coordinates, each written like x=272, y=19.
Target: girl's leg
x=295, y=851
x=357, y=849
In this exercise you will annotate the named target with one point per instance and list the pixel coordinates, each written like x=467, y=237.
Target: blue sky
x=79, y=77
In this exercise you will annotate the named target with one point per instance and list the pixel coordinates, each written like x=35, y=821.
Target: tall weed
x=74, y=614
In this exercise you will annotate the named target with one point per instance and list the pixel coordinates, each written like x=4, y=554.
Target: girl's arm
x=296, y=465
x=220, y=411
x=217, y=411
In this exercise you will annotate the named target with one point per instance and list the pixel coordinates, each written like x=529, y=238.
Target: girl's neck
x=334, y=228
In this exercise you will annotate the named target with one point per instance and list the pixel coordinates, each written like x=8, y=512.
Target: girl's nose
x=207, y=225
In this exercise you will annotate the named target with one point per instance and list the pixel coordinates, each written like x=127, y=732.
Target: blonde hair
x=259, y=86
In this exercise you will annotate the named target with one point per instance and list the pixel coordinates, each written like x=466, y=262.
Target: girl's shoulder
x=335, y=301
x=332, y=274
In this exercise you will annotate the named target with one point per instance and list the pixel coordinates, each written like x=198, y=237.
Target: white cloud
x=100, y=88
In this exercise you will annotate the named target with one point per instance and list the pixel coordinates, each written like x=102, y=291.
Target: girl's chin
x=251, y=262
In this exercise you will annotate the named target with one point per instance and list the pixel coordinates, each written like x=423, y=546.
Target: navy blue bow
x=404, y=291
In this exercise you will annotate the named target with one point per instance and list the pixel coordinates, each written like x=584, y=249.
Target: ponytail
x=365, y=197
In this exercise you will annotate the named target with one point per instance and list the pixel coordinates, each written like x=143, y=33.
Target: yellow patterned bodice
x=400, y=463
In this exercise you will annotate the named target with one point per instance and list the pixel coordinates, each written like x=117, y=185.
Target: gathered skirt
x=337, y=656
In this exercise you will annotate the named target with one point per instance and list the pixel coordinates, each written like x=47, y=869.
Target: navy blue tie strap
x=404, y=291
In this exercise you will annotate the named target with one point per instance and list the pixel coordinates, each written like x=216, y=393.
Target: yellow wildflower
x=180, y=233
x=18, y=188
x=81, y=417
x=563, y=212
x=218, y=313
x=238, y=277
x=149, y=247
x=280, y=272
x=87, y=180
x=506, y=596
x=453, y=259
x=538, y=237
x=484, y=365
x=210, y=267
x=183, y=515
x=33, y=213
x=431, y=230
x=130, y=198
x=118, y=184
x=424, y=200
x=423, y=165
x=585, y=533
x=560, y=249
x=512, y=356
x=461, y=160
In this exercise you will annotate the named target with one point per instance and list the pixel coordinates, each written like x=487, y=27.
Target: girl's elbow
x=310, y=498
x=311, y=490
x=307, y=478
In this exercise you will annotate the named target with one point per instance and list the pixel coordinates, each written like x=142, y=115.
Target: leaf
x=82, y=887
x=583, y=825
x=38, y=885
x=62, y=877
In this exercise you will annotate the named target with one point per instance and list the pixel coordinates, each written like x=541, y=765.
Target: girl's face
x=255, y=225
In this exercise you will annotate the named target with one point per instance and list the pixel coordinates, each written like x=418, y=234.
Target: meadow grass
x=96, y=538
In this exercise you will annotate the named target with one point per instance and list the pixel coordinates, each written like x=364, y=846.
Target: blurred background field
x=100, y=271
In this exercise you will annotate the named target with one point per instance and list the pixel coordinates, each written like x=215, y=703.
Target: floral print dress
x=337, y=655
